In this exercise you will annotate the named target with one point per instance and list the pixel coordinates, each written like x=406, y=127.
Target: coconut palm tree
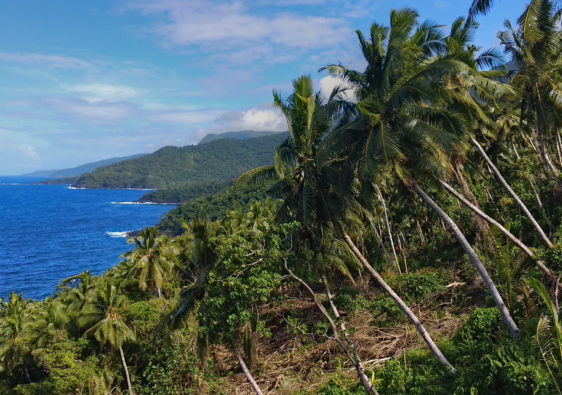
x=152, y=260
x=479, y=7
x=14, y=314
x=45, y=316
x=466, y=94
x=100, y=318
x=77, y=290
x=404, y=126
x=302, y=170
x=536, y=56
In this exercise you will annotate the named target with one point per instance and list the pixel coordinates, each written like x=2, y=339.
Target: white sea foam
x=71, y=187
x=117, y=234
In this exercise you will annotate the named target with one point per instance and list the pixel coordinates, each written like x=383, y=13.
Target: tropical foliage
x=407, y=239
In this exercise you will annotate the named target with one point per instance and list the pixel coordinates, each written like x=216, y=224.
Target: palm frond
x=257, y=176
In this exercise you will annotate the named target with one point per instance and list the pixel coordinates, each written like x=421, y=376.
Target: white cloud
x=56, y=61
x=222, y=24
x=90, y=112
x=186, y=117
x=257, y=119
x=328, y=83
x=103, y=92
x=28, y=151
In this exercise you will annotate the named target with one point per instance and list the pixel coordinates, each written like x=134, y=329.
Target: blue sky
x=88, y=80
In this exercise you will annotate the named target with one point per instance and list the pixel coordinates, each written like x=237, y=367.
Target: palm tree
x=152, y=260
x=301, y=166
x=78, y=290
x=45, y=316
x=13, y=317
x=404, y=125
x=101, y=319
x=479, y=7
x=465, y=94
x=536, y=55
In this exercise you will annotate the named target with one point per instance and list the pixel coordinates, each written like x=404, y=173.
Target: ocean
x=51, y=232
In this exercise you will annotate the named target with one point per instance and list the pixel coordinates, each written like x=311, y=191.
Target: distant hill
x=79, y=170
x=241, y=135
x=214, y=206
x=217, y=161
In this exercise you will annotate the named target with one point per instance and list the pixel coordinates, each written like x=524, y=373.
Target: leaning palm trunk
x=348, y=347
x=506, y=232
x=482, y=225
x=394, y=296
x=559, y=148
x=129, y=385
x=513, y=194
x=473, y=258
x=387, y=223
x=247, y=371
x=357, y=362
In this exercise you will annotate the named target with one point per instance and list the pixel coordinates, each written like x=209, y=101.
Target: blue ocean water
x=51, y=232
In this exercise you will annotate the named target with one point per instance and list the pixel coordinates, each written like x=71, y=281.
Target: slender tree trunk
x=378, y=235
x=537, y=197
x=513, y=194
x=159, y=292
x=506, y=232
x=515, y=151
x=542, y=137
x=387, y=223
x=482, y=225
x=403, y=306
x=357, y=362
x=401, y=247
x=529, y=140
x=473, y=258
x=349, y=348
x=559, y=147
x=420, y=232
x=246, y=371
x=129, y=385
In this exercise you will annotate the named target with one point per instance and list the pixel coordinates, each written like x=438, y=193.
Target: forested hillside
x=214, y=206
x=79, y=170
x=170, y=167
x=413, y=244
x=241, y=135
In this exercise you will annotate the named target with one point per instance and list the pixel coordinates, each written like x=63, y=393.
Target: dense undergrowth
x=368, y=268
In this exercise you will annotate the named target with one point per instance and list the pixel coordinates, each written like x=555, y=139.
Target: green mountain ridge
x=241, y=135
x=79, y=170
x=173, y=167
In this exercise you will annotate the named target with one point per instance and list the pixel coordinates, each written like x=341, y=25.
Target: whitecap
x=118, y=234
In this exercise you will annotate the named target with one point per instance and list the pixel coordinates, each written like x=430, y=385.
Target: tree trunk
x=559, y=147
x=358, y=363
x=394, y=296
x=246, y=371
x=349, y=348
x=513, y=194
x=159, y=291
x=482, y=225
x=387, y=223
x=129, y=385
x=473, y=258
x=506, y=232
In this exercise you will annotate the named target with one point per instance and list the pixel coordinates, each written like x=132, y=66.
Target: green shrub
x=414, y=287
